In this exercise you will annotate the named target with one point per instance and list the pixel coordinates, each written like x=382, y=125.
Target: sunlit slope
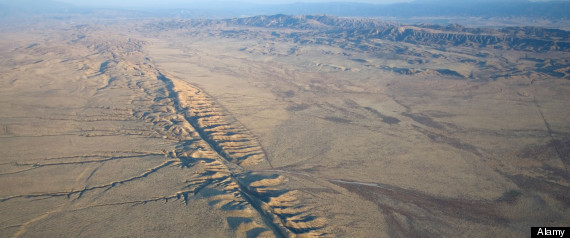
x=97, y=142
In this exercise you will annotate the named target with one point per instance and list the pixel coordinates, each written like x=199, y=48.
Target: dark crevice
x=173, y=95
x=80, y=192
x=556, y=143
x=255, y=199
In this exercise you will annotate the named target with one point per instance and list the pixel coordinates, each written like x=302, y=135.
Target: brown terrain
x=282, y=126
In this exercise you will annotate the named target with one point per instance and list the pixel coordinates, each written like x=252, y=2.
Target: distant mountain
x=351, y=32
x=431, y=8
x=517, y=8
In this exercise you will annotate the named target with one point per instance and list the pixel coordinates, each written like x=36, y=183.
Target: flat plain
x=282, y=126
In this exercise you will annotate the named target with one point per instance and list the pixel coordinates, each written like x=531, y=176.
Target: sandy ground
x=109, y=132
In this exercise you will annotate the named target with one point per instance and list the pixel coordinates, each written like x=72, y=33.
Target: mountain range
x=509, y=8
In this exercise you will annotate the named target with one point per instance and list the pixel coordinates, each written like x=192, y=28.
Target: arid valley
x=282, y=126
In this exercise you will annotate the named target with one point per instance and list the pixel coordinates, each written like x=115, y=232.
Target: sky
x=134, y=3
x=186, y=2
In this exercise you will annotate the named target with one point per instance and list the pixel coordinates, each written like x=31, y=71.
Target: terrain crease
x=197, y=107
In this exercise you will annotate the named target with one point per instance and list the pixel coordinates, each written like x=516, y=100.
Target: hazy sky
x=230, y=3
x=171, y=2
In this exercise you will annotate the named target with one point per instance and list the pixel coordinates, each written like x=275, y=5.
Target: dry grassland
x=114, y=131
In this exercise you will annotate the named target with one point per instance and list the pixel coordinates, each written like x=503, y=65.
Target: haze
x=137, y=3
x=191, y=3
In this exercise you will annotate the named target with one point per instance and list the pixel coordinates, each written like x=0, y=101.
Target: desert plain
x=282, y=126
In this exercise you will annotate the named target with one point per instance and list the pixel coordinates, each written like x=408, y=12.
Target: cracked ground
x=108, y=131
